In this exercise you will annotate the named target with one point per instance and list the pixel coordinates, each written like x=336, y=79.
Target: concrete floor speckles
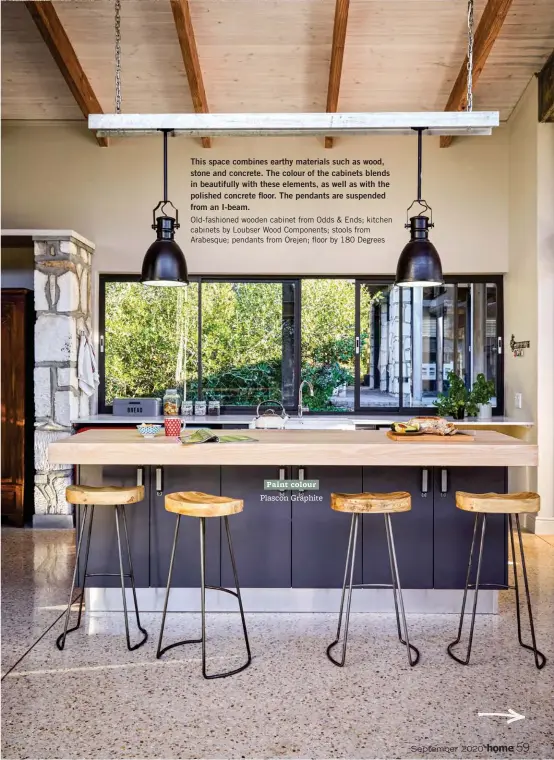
x=97, y=700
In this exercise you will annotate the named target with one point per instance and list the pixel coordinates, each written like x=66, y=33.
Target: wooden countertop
x=293, y=447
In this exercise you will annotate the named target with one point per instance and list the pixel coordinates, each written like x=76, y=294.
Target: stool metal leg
x=130, y=647
x=540, y=659
x=203, y=587
x=161, y=649
x=465, y=661
x=398, y=600
x=60, y=641
x=348, y=577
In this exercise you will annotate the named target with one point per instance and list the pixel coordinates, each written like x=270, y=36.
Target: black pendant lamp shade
x=419, y=262
x=164, y=263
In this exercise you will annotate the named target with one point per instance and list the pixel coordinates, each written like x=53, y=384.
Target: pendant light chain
x=118, y=56
x=470, y=36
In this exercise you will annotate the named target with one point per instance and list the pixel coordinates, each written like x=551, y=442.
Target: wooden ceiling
x=272, y=55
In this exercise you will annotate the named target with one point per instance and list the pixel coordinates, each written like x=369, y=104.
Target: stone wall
x=63, y=310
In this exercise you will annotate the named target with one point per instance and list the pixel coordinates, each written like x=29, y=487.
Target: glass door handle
x=357, y=344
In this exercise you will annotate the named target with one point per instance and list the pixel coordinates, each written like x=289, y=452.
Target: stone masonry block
x=68, y=284
x=55, y=338
x=41, y=283
x=43, y=438
x=66, y=407
x=43, y=392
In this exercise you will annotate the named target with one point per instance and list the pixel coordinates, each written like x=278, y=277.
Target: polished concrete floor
x=97, y=700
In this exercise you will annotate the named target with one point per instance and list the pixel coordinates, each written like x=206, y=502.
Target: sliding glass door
x=408, y=340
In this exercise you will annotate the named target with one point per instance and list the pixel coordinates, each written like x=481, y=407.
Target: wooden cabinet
x=17, y=406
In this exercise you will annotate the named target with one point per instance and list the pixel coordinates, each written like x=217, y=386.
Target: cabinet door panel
x=320, y=535
x=186, y=571
x=413, y=531
x=261, y=533
x=103, y=555
x=454, y=528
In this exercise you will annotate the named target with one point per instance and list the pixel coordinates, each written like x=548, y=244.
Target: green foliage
x=324, y=378
x=245, y=386
x=151, y=340
x=145, y=328
x=457, y=400
x=483, y=390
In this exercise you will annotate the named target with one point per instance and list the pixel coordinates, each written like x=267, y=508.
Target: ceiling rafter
x=337, y=56
x=187, y=43
x=487, y=31
x=54, y=35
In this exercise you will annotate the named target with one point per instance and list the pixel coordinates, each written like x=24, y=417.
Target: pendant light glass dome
x=419, y=263
x=164, y=264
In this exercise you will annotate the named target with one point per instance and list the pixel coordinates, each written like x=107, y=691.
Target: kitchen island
x=290, y=546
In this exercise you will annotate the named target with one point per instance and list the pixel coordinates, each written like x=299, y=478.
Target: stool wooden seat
x=499, y=503
x=104, y=495
x=198, y=504
x=374, y=503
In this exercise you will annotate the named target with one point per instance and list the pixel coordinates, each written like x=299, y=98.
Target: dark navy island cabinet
x=186, y=571
x=294, y=541
x=453, y=528
x=261, y=532
x=319, y=535
x=413, y=531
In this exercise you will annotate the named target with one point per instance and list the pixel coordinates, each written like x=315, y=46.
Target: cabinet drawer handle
x=159, y=481
x=424, y=481
x=140, y=476
x=282, y=477
x=301, y=477
x=444, y=482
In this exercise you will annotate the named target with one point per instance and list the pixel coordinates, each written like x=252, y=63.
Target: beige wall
x=529, y=294
x=57, y=177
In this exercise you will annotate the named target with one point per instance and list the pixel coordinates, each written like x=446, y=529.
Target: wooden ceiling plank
x=337, y=57
x=52, y=32
x=189, y=51
x=487, y=31
x=546, y=91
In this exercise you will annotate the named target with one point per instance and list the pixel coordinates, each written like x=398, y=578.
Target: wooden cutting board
x=459, y=437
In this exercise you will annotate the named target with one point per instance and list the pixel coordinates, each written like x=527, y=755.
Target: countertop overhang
x=293, y=447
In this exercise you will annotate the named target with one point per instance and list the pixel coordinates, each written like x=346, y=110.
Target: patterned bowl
x=148, y=430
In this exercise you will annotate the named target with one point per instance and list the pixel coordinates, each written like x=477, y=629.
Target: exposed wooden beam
x=486, y=33
x=546, y=91
x=187, y=41
x=337, y=55
x=52, y=32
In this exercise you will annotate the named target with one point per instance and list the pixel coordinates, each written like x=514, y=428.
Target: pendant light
x=419, y=262
x=164, y=263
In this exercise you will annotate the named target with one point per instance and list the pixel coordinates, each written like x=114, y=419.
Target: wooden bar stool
x=106, y=496
x=384, y=504
x=511, y=504
x=203, y=505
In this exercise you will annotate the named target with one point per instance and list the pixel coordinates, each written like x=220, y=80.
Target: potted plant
x=456, y=401
x=481, y=394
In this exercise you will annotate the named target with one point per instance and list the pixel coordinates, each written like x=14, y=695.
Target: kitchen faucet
x=300, y=403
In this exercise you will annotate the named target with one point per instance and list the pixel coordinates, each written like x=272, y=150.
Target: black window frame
x=383, y=280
